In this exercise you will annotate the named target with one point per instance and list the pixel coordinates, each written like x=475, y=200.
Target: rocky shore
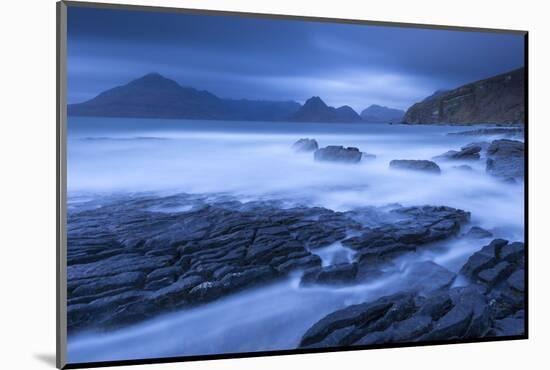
x=134, y=257
x=492, y=304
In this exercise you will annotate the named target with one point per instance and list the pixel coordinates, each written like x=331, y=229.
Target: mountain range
x=498, y=99
x=155, y=96
x=379, y=114
x=315, y=110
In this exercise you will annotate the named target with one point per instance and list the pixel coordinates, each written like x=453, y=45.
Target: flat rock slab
x=404, y=317
x=131, y=258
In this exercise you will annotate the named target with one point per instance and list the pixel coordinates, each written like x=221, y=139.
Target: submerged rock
x=463, y=167
x=416, y=165
x=418, y=227
x=331, y=275
x=305, y=145
x=467, y=153
x=477, y=232
x=334, y=153
x=428, y=276
x=506, y=159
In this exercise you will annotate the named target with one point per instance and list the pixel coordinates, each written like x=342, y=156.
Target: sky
x=273, y=59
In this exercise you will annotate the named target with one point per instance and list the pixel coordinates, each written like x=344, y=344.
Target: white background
x=27, y=207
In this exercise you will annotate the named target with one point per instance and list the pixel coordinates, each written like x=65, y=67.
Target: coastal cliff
x=498, y=99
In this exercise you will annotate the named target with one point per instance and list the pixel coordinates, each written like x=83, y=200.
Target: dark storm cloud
x=256, y=58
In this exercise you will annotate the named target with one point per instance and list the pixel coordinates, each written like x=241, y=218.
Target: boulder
x=506, y=159
x=477, y=232
x=458, y=313
x=463, y=167
x=334, y=153
x=415, y=165
x=305, y=145
x=331, y=275
x=467, y=153
x=428, y=276
x=419, y=226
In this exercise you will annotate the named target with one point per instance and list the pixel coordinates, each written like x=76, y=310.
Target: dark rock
x=463, y=167
x=456, y=313
x=95, y=286
x=178, y=290
x=117, y=264
x=510, y=326
x=206, y=291
x=305, y=145
x=170, y=271
x=333, y=275
x=517, y=281
x=494, y=275
x=416, y=165
x=252, y=276
x=512, y=252
x=428, y=276
x=419, y=226
x=486, y=258
x=368, y=156
x=465, y=154
x=477, y=232
x=333, y=153
x=499, y=266
x=506, y=159
x=482, y=145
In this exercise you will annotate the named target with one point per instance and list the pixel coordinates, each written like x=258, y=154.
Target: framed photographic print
x=235, y=184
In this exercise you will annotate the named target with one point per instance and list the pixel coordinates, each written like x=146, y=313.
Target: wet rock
x=333, y=153
x=486, y=258
x=463, y=167
x=170, y=272
x=305, y=145
x=331, y=275
x=517, y=281
x=95, y=286
x=368, y=156
x=128, y=263
x=456, y=313
x=496, y=274
x=482, y=145
x=477, y=232
x=428, y=276
x=419, y=226
x=206, y=291
x=416, y=165
x=499, y=267
x=510, y=326
x=506, y=159
x=467, y=153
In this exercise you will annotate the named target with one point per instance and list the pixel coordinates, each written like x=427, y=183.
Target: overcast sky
x=238, y=57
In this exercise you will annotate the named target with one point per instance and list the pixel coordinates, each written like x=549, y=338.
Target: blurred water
x=254, y=160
